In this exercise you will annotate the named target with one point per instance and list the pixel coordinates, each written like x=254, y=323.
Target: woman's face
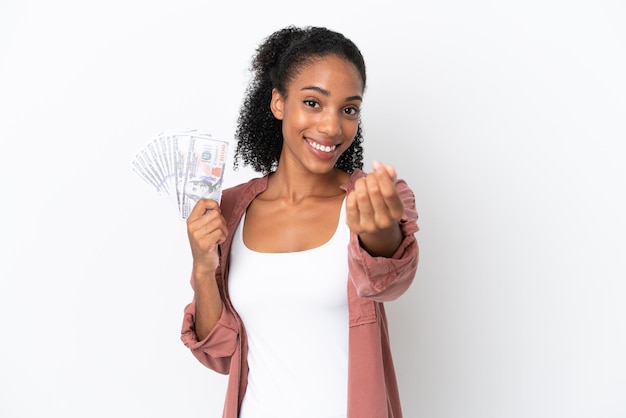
x=320, y=113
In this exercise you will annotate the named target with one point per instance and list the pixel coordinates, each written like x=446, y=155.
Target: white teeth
x=323, y=148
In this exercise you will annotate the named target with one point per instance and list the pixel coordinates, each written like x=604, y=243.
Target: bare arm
x=206, y=229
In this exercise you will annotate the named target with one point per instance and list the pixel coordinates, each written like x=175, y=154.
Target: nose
x=330, y=123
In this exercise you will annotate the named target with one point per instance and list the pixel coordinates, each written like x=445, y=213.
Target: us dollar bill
x=184, y=165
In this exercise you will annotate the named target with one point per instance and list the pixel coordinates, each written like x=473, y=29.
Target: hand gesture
x=374, y=209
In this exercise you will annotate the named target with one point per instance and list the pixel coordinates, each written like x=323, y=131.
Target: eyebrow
x=327, y=93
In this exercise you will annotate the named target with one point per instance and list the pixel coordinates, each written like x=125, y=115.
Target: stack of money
x=184, y=165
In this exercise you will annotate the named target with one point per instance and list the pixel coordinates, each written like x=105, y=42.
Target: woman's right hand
x=206, y=229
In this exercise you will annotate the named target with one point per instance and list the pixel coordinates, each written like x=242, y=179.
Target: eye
x=352, y=111
x=311, y=103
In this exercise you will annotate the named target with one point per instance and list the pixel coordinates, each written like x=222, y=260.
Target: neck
x=293, y=187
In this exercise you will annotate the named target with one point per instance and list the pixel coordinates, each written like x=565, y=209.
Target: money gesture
x=374, y=209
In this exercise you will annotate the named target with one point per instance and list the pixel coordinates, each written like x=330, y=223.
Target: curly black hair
x=278, y=59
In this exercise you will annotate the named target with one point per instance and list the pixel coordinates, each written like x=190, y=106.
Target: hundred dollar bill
x=203, y=172
x=185, y=165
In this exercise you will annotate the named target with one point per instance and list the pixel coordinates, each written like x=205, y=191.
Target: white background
x=506, y=118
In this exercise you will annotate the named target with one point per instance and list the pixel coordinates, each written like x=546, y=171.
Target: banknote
x=184, y=165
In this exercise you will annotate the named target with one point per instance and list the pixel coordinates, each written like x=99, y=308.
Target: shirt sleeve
x=217, y=348
x=386, y=278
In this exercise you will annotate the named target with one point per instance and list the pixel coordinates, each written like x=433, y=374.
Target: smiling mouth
x=320, y=147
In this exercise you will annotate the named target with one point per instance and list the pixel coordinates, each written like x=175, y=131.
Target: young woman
x=291, y=270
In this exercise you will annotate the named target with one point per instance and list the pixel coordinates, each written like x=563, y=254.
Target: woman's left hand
x=374, y=209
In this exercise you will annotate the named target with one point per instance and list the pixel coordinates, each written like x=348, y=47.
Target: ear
x=277, y=104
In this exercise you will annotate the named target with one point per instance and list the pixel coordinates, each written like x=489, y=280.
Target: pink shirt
x=372, y=386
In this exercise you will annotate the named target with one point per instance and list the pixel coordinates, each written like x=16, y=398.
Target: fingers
x=212, y=227
x=382, y=195
x=352, y=212
x=391, y=171
x=201, y=207
x=385, y=179
x=206, y=226
x=374, y=204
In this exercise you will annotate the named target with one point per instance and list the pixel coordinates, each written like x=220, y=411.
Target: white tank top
x=294, y=307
